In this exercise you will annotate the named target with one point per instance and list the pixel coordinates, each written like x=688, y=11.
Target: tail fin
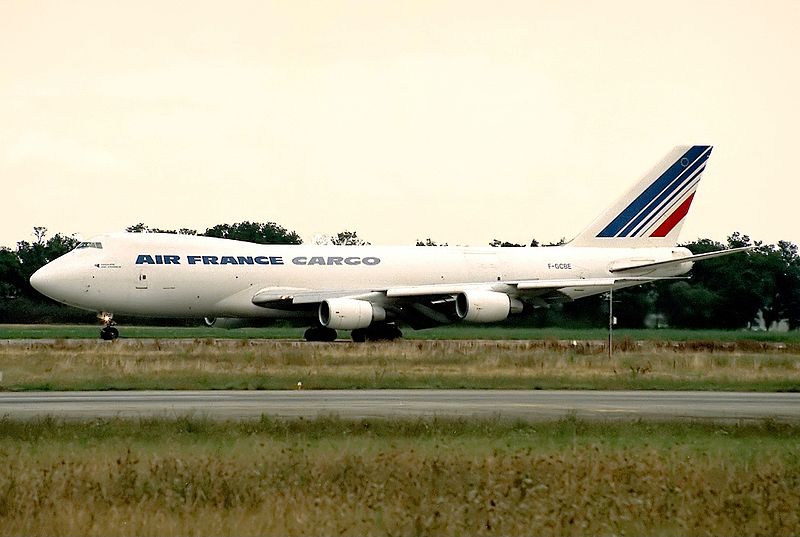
x=651, y=213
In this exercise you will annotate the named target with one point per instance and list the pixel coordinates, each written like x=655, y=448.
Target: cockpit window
x=98, y=245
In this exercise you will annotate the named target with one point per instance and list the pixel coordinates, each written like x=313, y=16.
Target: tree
x=11, y=280
x=32, y=256
x=793, y=299
x=589, y=311
x=691, y=306
x=348, y=238
x=726, y=292
x=137, y=228
x=429, y=242
x=269, y=233
x=503, y=244
x=733, y=289
x=40, y=232
x=633, y=304
x=779, y=282
x=141, y=228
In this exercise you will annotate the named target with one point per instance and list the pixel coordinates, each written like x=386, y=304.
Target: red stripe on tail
x=668, y=224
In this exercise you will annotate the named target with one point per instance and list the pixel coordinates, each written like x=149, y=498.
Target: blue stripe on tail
x=683, y=179
x=673, y=199
x=624, y=220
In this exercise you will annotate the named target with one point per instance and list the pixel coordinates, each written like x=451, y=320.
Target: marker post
x=610, y=320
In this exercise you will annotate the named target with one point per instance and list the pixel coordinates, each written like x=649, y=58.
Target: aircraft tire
x=109, y=333
x=359, y=335
x=384, y=332
x=320, y=333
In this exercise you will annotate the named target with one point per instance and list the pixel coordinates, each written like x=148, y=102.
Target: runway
x=526, y=405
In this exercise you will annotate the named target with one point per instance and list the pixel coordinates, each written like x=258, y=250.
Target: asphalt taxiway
x=527, y=405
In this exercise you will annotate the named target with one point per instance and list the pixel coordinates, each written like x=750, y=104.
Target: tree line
x=730, y=292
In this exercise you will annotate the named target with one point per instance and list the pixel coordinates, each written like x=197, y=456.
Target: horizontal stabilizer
x=680, y=261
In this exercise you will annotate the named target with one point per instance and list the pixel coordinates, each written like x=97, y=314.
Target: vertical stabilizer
x=652, y=212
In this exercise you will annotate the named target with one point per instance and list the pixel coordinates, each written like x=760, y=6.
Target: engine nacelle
x=485, y=306
x=349, y=313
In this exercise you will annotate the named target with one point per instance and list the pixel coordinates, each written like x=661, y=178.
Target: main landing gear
x=376, y=332
x=108, y=332
x=320, y=333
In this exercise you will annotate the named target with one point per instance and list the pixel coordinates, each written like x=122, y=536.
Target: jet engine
x=348, y=313
x=485, y=306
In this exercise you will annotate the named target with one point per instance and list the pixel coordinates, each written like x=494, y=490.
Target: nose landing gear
x=108, y=332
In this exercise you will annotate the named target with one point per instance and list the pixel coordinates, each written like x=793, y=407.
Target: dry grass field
x=397, y=477
x=440, y=477
x=459, y=331
x=274, y=364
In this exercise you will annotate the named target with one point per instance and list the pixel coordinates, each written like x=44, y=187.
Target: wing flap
x=277, y=297
x=445, y=289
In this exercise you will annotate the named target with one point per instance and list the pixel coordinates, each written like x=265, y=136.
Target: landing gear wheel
x=383, y=332
x=320, y=333
x=359, y=335
x=109, y=333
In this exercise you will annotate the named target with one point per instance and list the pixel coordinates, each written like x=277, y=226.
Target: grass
x=264, y=364
x=491, y=332
x=372, y=477
x=495, y=332
x=11, y=331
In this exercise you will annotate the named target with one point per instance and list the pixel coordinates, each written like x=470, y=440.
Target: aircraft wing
x=430, y=305
x=512, y=288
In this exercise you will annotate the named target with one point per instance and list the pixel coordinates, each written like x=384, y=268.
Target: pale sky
x=459, y=121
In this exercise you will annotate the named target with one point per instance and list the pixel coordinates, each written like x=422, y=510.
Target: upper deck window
x=98, y=245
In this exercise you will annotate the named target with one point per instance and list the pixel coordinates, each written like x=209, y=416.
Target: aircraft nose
x=64, y=280
x=43, y=280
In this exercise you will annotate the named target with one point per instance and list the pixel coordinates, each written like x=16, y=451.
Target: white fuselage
x=189, y=276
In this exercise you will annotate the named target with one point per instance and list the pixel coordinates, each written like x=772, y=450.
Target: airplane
x=369, y=290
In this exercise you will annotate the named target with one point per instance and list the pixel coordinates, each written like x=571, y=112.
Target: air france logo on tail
x=664, y=203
